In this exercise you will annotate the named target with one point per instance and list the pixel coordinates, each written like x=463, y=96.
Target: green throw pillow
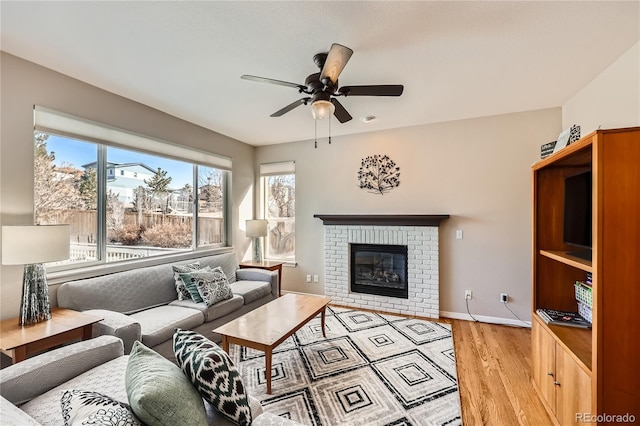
x=212, y=372
x=183, y=293
x=159, y=394
x=192, y=288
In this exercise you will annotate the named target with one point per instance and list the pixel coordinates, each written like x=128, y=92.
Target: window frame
x=196, y=250
x=286, y=168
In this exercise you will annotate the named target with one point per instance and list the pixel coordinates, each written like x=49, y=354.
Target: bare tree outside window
x=280, y=194
x=64, y=194
x=55, y=188
x=210, y=205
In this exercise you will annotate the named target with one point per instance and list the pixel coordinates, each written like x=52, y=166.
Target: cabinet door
x=544, y=359
x=573, y=392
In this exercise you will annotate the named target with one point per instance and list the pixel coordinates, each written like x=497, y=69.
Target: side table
x=65, y=325
x=269, y=265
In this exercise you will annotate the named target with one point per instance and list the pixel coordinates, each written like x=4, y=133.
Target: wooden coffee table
x=65, y=325
x=269, y=325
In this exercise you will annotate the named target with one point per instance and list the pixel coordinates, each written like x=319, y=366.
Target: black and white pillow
x=92, y=408
x=211, y=371
x=183, y=293
x=212, y=285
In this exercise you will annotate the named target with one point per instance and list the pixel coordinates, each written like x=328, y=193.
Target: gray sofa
x=142, y=304
x=31, y=390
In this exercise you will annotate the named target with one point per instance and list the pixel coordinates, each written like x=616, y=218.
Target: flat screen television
x=577, y=213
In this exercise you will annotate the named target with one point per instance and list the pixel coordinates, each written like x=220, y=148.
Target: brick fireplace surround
x=418, y=232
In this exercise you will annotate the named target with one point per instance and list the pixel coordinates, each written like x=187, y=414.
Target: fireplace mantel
x=383, y=219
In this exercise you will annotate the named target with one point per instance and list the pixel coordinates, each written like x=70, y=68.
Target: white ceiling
x=456, y=59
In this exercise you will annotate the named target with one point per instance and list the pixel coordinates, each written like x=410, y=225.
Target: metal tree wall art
x=378, y=174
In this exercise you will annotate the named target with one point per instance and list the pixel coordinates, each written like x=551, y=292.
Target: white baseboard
x=463, y=315
x=484, y=318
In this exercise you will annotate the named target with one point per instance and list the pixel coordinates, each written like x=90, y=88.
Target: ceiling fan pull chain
x=315, y=138
x=329, y=130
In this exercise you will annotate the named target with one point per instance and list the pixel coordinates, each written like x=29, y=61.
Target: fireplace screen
x=379, y=269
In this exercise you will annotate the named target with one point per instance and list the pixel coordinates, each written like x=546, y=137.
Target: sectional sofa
x=142, y=304
x=31, y=391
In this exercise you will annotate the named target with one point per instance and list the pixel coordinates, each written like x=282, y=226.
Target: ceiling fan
x=322, y=87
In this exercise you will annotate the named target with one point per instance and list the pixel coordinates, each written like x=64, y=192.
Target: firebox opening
x=379, y=269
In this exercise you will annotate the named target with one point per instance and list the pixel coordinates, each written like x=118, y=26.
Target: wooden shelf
x=567, y=259
x=579, y=370
x=576, y=340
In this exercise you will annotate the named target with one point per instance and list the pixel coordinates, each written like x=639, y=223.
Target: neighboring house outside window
x=278, y=184
x=143, y=205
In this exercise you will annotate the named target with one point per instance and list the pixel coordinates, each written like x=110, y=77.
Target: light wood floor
x=494, y=374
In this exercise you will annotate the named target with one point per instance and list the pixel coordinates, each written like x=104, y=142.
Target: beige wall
x=24, y=84
x=478, y=171
x=611, y=100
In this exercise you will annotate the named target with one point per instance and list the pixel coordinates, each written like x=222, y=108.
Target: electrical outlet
x=459, y=234
x=468, y=295
x=504, y=297
x=308, y=278
x=316, y=279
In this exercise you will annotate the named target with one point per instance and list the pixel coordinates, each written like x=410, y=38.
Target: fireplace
x=419, y=233
x=379, y=269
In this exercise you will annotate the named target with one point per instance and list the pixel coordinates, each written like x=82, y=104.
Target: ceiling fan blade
x=290, y=107
x=341, y=114
x=272, y=81
x=378, y=90
x=336, y=60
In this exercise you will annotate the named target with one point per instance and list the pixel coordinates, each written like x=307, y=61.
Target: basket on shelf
x=584, y=293
x=585, y=312
x=584, y=296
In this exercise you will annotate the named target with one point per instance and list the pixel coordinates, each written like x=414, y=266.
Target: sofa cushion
x=183, y=293
x=227, y=261
x=34, y=376
x=159, y=393
x=212, y=372
x=107, y=378
x=159, y=323
x=12, y=415
x=127, y=292
x=81, y=407
x=251, y=290
x=215, y=311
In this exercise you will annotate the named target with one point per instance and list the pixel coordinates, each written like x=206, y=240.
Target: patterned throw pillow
x=183, y=293
x=213, y=374
x=93, y=408
x=212, y=285
x=192, y=288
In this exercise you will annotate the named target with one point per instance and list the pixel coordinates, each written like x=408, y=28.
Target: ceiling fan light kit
x=322, y=109
x=322, y=87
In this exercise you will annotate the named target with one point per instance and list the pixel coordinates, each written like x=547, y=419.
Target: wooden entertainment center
x=585, y=376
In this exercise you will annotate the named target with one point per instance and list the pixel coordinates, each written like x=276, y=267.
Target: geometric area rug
x=371, y=369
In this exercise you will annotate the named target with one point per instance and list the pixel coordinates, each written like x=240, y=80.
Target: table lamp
x=256, y=229
x=32, y=246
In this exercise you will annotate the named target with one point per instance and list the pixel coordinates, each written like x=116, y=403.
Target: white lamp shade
x=24, y=245
x=256, y=228
x=322, y=109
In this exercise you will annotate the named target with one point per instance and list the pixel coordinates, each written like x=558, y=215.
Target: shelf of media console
x=568, y=259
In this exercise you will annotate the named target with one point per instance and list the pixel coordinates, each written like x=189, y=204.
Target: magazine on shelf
x=571, y=319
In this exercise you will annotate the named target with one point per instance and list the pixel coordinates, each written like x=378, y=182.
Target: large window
x=123, y=204
x=278, y=184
